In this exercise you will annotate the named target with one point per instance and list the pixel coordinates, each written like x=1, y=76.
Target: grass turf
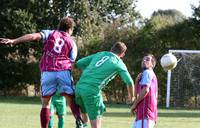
x=23, y=112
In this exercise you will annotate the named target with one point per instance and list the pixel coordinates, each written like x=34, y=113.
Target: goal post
x=170, y=72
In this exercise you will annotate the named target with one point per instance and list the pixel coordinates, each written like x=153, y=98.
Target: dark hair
x=66, y=23
x=118, y=48
x=153, y=59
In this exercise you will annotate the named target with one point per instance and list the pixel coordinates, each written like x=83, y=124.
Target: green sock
x=60, y=122
x=51, y=122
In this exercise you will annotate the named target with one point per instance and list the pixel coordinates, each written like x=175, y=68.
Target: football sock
x=44, y=117
x=60, y=122
x=51, y=122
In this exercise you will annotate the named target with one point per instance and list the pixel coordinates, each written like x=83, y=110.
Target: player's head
x=66, y=24
x=148, y=61
x=119, y=49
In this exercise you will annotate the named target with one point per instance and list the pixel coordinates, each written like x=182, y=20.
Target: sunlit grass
x=23, y=112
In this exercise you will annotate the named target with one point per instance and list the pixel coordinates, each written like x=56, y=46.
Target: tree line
x=99, y=24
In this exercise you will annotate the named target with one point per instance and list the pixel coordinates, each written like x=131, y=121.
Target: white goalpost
x=170, y=72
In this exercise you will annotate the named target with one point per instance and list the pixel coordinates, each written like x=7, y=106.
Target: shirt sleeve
x=74, y=51
x=146, y=78
x=125, y=75
x=84, y=62
x=45, y=34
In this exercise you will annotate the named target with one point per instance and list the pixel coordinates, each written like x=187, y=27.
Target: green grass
x=23, y=112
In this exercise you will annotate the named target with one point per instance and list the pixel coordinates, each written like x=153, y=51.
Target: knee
x=45, y=102
x=85, y=118
x=60, y=116
x=69, y=98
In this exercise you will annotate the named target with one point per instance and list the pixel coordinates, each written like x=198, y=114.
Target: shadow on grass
x=160, y=114
x=117, y=114
x=180, y=114
x=117, y=106
x=168, y=113
x=114, y=109
x=20, y=100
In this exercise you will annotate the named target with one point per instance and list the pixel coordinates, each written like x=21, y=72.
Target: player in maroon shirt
x=59, y=53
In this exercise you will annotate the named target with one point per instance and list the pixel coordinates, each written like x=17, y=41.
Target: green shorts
x=58, y=105
x=89, y=103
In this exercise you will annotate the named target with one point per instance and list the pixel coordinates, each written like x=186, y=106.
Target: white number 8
x=100, y=62
x=59, y=43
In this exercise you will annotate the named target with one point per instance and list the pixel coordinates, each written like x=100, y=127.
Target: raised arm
x=22, y=39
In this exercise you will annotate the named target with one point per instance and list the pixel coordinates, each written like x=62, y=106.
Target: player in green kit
x=98, y=70
x=58, y=106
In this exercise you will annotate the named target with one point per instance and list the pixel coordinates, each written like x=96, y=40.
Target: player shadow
x=179, y=114
x=20, y=100
x=116, y=105
x=112, y=114
x=119, y=106
x=160, y=114
x=117, y=114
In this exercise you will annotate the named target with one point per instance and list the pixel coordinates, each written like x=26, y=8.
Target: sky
x=147, y=7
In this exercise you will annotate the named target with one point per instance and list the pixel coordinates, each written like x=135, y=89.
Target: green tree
x=18, y=18
x=14, y=59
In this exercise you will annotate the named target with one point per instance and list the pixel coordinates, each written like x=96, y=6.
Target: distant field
x=23, y=112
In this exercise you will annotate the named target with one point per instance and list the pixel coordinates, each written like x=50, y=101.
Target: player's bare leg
x=85, y=119
x=45, y=112
x=96, y=123
x=75, y=110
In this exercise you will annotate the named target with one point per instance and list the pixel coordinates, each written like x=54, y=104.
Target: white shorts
x=144, y=124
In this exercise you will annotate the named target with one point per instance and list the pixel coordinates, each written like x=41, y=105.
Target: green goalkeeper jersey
x=99, y=69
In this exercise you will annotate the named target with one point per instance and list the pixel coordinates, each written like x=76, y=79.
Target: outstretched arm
x=22, y=39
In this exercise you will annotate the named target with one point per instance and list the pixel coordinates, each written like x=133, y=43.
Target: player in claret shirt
x=145, y=105
x=59, y=54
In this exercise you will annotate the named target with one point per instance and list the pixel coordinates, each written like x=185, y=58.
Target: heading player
x=145, y=104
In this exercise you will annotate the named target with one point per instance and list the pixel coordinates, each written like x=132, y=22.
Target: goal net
x=183, y=82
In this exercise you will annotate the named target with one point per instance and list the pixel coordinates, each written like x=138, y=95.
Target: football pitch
x=23, y=112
